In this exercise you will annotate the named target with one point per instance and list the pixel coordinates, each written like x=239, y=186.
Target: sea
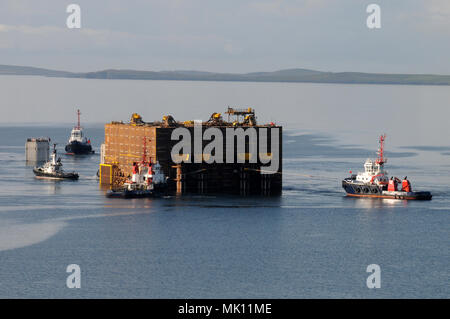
x=310, y=242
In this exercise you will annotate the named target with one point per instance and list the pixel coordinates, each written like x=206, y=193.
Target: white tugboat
x=147, y=180
x=53, y=169
x=374, y=181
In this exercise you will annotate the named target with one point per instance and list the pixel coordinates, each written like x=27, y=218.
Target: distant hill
x=27, y=70
x=289, y=75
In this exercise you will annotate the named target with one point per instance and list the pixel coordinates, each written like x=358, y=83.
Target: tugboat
x=53, y=169
x=77, y=143
x=374, y=181
x=147, y=180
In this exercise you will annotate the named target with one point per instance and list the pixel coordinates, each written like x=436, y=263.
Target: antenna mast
x=144, y=151
x=78, y=114
x=381, y=160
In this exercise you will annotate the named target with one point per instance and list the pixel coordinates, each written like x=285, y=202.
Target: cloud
x=45, y=38
x=232, y=49
x=438, y=13
x=286, y=7
x=430, y=17
x=102, y=43
x=273, y=34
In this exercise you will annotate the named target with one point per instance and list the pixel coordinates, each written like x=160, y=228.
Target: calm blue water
x=311, y=242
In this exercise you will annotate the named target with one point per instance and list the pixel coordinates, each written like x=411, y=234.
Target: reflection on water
x=129, y=203
x=369, y=203
x=16, y=235
x=51, y=187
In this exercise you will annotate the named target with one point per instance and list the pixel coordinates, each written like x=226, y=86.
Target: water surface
x=311, y=242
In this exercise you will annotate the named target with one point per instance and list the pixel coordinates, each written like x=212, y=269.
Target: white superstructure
x=145, y=176
x=374, y=172
x=52, y=166
x=77, y=135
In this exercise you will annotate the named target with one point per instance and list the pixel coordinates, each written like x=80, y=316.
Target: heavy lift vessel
x=123, y=146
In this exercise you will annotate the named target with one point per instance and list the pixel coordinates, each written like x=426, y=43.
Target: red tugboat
x=147, y=180
x=374, y=181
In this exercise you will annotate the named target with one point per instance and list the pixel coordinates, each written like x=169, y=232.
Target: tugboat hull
x=78, y=148
x=363, y=190
x=129, y=194
x=40, y=174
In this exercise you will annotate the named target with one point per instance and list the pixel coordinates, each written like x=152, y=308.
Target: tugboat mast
x=78, y=125
x=144, y=152
x=381, y=160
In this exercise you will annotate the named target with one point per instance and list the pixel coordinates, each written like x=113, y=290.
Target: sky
x=228, y=35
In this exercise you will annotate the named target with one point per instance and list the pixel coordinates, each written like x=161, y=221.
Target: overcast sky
x=228, y=35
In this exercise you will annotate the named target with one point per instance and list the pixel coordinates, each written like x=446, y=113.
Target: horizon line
x=213, y=72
